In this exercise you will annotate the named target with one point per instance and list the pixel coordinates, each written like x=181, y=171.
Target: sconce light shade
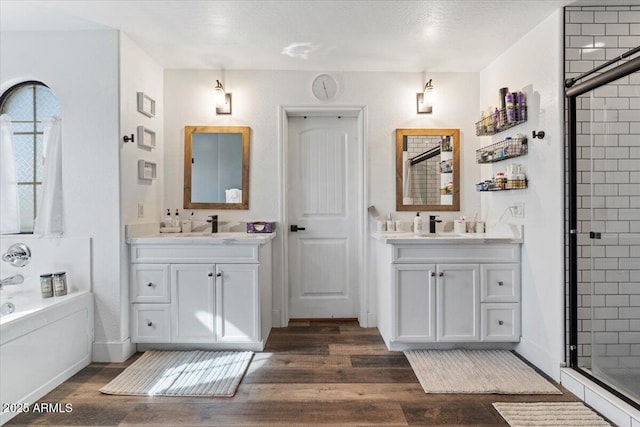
x=223, y=99
x=425, y=99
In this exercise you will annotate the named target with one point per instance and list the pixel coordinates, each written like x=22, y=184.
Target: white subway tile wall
x=608, y=189
x=425, y=176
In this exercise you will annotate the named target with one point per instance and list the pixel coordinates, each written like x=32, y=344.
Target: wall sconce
x=223, y=99
x=425, y=99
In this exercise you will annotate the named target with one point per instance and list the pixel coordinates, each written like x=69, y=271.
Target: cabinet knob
x=501, y=283
x=219, y=274
x=500, y=322
x=441, y=274
x=210, y=274
x=149, y=323
x=433, y=274
x=150, y=284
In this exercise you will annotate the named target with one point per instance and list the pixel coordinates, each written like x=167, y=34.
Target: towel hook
x=128, y=138
x=539, y=134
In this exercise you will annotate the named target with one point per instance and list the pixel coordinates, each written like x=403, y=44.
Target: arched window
x=27, y=104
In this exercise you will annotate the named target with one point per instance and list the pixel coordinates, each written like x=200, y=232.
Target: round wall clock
x=324, y=87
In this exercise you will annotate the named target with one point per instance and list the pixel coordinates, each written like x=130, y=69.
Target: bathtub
x=42, y=344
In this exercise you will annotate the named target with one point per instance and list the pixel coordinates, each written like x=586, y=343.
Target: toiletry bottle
x=167, y=222
x=176, y=219
x=521, y=107
x=417, y=224
x=511, y=111
x=390, y=223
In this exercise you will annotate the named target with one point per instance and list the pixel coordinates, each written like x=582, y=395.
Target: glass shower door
x=609, y=233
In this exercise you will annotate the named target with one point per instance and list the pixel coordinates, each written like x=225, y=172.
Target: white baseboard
x=540, y=357
x=113, y=352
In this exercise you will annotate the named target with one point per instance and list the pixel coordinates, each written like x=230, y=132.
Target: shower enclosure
x=604, y=228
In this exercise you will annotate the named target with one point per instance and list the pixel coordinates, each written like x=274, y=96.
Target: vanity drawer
x=151, y=323
x=500, y=282
x=150, y=283
x=466, y=252
x=500, y=322
x=195, y=254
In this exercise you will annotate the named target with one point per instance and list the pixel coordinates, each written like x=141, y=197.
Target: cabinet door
x=501, y=322
x=458, y=302
x=151, y=323
x=238, y=305
x=500, y=282
x=192, y=303
x=414, y=303
x=150, y=283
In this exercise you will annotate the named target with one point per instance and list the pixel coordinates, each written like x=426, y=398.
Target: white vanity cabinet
x=210, y=292
x=447, y=291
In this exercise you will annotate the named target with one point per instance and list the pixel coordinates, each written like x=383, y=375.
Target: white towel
x=233, y=195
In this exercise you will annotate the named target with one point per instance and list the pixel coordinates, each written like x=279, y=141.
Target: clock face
x=324, y=87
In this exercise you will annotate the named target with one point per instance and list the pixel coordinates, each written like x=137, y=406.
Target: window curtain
x=49, y=220
x=9, y=202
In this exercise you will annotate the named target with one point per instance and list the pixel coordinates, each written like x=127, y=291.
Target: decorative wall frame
x=146, y=137
x=147, y=170
x=146, y=105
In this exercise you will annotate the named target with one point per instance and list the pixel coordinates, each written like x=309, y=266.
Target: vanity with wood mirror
x=427, y=169
x=216, y=167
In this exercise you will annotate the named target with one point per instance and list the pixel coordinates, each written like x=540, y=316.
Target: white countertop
x=504, y=233
x=206, y=238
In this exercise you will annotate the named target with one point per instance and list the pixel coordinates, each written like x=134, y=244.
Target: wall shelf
x=503, y=150
x=492, y=186
x=497, y=122
x=147, y=170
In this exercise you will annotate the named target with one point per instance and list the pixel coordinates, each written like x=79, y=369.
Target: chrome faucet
x=12, y=280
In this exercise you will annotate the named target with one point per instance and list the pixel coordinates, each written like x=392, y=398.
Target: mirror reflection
x=216, y=167
x=427, y=170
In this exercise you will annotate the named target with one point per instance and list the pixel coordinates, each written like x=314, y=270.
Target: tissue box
x=261, y=227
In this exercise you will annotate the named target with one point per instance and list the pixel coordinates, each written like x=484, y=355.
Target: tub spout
x=12, y=280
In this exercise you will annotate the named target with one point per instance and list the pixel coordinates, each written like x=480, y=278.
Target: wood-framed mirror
x=427, y=169
x=216, y=167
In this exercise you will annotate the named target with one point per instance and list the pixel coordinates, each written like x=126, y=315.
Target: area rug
x=565, y=414
x=476, y=371
x=182, y=373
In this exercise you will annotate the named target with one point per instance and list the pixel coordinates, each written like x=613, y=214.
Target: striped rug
x=565, y=414
x=182, y=373
x=476, y=371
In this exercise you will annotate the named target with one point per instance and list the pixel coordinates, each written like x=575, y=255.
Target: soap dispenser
x=176, y=219
x=417, y=224
x=167, y=221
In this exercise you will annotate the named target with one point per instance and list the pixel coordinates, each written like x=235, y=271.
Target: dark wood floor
x=311, y=373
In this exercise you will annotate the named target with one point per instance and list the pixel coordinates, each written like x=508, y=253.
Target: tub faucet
x=432, y=223
x=12, y=280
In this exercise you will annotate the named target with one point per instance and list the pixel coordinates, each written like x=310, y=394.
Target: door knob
x=295, y=228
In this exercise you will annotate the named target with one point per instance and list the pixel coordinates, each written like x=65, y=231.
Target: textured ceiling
x=355, y=35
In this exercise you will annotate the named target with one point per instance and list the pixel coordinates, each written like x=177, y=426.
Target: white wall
x=82, y=70
x=138, y=73
x=535, y=64
x=390, y=99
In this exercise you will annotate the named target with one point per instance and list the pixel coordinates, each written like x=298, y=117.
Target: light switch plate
x=140, y=210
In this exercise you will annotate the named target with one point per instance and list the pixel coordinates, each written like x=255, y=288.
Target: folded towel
x=233, y=195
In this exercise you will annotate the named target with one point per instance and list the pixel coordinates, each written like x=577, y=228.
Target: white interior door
x=322, y=194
